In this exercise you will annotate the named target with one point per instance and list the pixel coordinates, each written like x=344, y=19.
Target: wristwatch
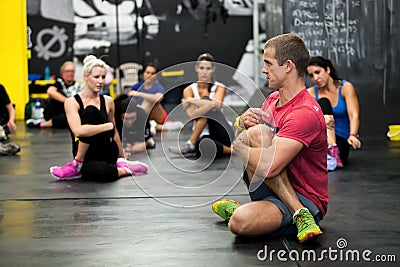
x=237, y=124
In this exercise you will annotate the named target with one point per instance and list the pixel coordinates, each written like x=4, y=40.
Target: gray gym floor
x=165, y=219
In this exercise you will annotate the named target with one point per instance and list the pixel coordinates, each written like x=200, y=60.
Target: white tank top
x=196, y=95
x=195, y=90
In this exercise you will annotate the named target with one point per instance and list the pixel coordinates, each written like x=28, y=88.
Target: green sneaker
x=225, y=208
x=306, y=226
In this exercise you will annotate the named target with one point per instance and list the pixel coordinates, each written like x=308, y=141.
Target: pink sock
x=80, y=161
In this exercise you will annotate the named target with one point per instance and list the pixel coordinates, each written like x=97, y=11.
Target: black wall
x=361, y=37
x=72, y=30
x=225, y=39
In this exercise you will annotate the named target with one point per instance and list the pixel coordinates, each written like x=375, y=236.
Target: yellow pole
x=14, y=53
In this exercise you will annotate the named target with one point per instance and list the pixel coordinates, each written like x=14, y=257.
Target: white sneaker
x=184, y=149
x=173, y=125
x=331, y=163
x=153, y=127
x=34, y=123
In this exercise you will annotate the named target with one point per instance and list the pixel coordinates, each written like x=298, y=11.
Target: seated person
x=7, y=124
x=64, y=87
x=97, y=149
x=286, y=175
x=149, y=94
x=203, y=101
x=339, y=103
x=132, y=125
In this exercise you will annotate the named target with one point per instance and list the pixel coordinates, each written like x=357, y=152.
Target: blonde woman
x=96, y=145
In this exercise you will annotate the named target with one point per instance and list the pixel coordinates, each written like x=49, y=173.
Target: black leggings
x=221, y=133
x=100, y=160
x=344, y=147
x=55, y=111
x=3, y=122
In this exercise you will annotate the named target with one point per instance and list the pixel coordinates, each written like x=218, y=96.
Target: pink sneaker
x=67, y=172
x=333, y=151
x=136, y=167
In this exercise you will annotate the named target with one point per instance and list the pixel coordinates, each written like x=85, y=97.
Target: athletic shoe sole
x=310, y=236
x=65, y=178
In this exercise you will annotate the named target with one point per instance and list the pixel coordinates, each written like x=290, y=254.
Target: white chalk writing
x=330, y=28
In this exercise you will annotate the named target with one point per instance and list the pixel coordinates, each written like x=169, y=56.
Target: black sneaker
x=150, y=144
x=32, y=123
x=9, y=148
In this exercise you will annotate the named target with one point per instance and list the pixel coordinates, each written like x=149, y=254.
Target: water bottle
x=47, y=73
x=37, y=110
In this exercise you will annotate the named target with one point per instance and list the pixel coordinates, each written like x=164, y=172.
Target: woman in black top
x=96, y=145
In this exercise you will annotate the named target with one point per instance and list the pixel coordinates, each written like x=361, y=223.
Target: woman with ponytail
x=202, y=102
x=339, y=103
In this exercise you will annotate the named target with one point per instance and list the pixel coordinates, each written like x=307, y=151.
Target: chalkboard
x=361, y=37
x=330, y=28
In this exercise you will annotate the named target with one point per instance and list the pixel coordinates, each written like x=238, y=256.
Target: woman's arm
x=155, y=98
x=198, y=107
x=219, y=95
x=74, y=121
x=353, y=110
x=111, y=118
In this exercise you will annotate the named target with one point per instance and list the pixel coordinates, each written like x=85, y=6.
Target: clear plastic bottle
x=37, y=110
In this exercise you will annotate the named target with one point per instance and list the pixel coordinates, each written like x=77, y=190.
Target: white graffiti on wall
x=56, y=45
x=97, y=26
x=29, y=33
x=238, y=7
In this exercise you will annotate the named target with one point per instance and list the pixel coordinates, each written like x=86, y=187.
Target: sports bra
x=342, y=121
x=195, y=90
x=103, y=110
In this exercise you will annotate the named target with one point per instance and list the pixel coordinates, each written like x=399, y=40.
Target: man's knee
x=235, y=226
x=239, y=224
x=259, y=135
